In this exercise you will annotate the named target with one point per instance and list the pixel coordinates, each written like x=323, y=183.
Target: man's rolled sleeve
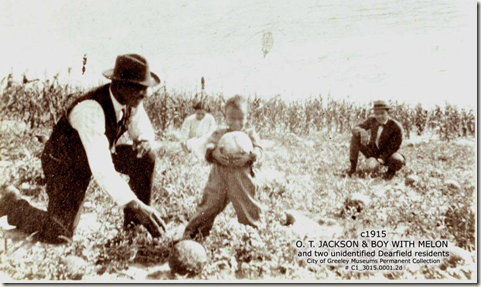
x=140, y=127
x=89, y=120
x=185, y=129
x=212, y=124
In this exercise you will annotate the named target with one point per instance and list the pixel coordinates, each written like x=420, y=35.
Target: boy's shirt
x=217, y=134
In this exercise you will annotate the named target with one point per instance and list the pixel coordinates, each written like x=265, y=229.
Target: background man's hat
x=381, y=105
x=132, y=68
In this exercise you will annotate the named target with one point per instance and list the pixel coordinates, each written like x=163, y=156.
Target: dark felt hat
x=132, y=68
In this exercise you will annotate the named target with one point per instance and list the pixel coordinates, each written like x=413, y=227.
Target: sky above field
x=411, y=50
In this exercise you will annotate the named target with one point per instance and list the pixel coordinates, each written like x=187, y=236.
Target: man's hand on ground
x=148, y=217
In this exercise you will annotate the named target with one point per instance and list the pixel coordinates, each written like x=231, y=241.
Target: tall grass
x=40, y=104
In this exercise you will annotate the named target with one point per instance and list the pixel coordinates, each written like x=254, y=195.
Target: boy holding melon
x=232, y=151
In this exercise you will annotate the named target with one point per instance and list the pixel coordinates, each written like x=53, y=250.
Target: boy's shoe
x=9, y=195
x=352, y=170
x=389, y=174
x=345, y=173
x=349, y=172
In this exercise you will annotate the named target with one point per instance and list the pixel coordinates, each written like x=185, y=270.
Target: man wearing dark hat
x=84, y=144
x=381, y=147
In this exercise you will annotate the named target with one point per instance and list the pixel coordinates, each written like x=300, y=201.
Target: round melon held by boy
x=233, y=150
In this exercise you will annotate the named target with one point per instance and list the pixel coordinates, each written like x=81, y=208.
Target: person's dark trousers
x=66, y=192
x=394, y=163
x=141, y=173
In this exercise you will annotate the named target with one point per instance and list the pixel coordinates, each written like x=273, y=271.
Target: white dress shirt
x=196, y=133
x=379, y=132
x=88, y=119
x=193, y=128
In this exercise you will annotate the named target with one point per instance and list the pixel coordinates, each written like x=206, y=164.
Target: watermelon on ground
x=187, y=257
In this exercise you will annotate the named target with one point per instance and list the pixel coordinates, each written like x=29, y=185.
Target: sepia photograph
x=315, y=141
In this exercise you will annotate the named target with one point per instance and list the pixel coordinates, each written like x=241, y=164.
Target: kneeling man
x=83, y=145
x=379, y=139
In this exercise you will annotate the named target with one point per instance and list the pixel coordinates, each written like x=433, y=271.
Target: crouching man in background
x=381, y=147
x=84, y=144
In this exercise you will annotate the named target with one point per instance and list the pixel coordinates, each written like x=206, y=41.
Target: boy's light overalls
x=227, y=184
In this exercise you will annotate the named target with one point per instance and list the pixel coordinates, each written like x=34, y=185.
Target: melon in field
x=372, y=165
x=187, y=257
x=411, y=180
x=356, y=201
x=235, y=143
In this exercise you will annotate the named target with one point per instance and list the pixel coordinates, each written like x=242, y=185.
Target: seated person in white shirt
x=196, y=129
x=83, y=144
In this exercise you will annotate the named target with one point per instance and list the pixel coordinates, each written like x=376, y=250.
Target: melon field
x=301, y=187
